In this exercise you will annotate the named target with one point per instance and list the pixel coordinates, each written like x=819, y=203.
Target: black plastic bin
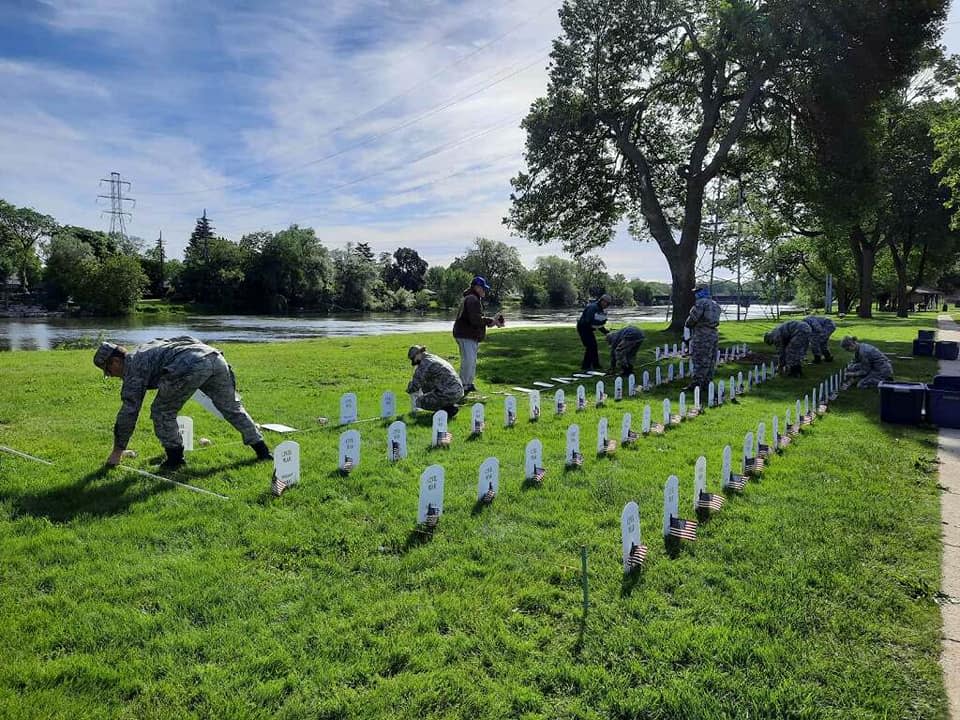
x=946, y=382
x=923, y=347
x=902, y=402
x=943, y=407
x=946, y=349
x=926, y=334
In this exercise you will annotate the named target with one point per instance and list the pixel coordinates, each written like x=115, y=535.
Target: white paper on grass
x=207, y=404
x=509, y=409
x=618, y=389
x=489, y=477
x=747, y=451
x=670, y=372
x=671, y=502
x=666, y=412
x=629, y=531
x=631, y=385
x=711, y=394
x=559, y=401
x=477, y=417
x=534, y=398
x=397, y=433
x=573, y=442
x=646, y=380
x=645, y=426
x=659, y=376
x=388, y=405
x=532, y=458
x=683, y=405
x=581, y=397
x=699, y=479
x=185, y=425
x=349, y=447
x=625, y=427
x=725, y=466
x=600, y=392
x=541, y=384
x=439, y=426
x=602, y=435
x=278, y=428
x=431, y=492
x=348, y=408
x=286, y=462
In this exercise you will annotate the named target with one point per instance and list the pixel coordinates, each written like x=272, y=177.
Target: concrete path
x=950, y=518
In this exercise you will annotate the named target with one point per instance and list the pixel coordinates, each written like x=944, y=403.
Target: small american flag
x=277, y=485
x=783, y=441
x=693, y=412
x=538, y=474
x=433, y=517
x=601, y=400
x=794, y=430
x=683, y=529
x=807, y=419
x=710, y=501
x=736, y=482
x=609, y=446
x=763, y=450
x=753, y=466
x=394, y=450
x=478, y=427
x=511, y=419
x=581, y=404
x=675, y=419
x=561, y=407
x=444, y=438
x=822, y=409
x=576, y=459
x=632, y=436
x=637, y=556
x=347, y=465
x=536, y=412
x=657, y=429
x=489, y=495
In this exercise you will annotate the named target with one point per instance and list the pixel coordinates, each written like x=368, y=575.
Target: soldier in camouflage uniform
x=176, y=369
x=869, y=364
x=821, y=328
x=624, y=344
x=703, y=321
x=791, y=339
x=436, y=383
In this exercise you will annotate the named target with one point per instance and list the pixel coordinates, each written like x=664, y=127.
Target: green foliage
x=214, y=268
x=22, y=230
x=808, y=596
x=448, y=284
x=356, y=280
x=290, y=269
x=406, y=271
x=498, y=263
x=558, y=278
x=946, y=135
x=533, y=293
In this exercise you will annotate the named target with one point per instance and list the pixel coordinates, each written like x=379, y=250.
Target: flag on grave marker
x=533, y=461
x=488, y=480
x=441, y=437
x=604, y=444
x=560, y=402
x=673, y=525
x=349, y=456
x=430, y=504
x=703, y=500
x=286, y=466
x=729, y=479
x=396, y=441
x=631, y=385
x=534, y=398
x=627, y=435
x=618, y=389
x=581, y=398
x=510, y=411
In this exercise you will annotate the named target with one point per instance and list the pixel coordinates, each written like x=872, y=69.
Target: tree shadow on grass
x=86, y=497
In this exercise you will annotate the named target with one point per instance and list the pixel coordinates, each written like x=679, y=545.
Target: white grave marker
x=683, y=405
x=646, y=379
x=286, y=466
x=477, y=418
x=696, y=400
x=776, y=434
x=645, y=424
x=388, y=405
x=430, y=506
x=627, y=435
x=488, y=480
x=397, y=441
x=703, y=500
x=533, y=468
x=348, y=408
x=682, y=372
x=573, y=457
x=670, y=372
x=601, y=394
x=673, y=524
x=441, y=437
x=751, y=464
x=633, y=550
x=349, y=456
x=185, y=425
x=618, y=389
x=676, y=350
x=711, y=394
x=581, y=398
x=510, y=411
x=659, y=376
x=666, y=351
x=604, y=443
x=631, y=385
x=763, y=449
x=720, y=388
x=656, y=354
x=560, y=402
x=806, y=408
x=534, y=398
x=729, y=480
x=763, y=373
x=207, y=404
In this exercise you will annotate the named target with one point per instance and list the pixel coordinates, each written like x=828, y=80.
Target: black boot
x=452, y=411
x=827, y=356
x=174, y=459
x=795, y=371
x=816, y=360
x=262, y=451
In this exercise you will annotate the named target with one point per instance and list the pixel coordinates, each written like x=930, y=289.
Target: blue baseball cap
x=481, y=282
x=702, y=292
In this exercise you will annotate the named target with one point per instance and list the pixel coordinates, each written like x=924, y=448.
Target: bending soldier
x=624, y=344
x=869, y=364
x=435, y=383
x=821, y=328
x=176, y=369
x=791, y=340
x=703, y=321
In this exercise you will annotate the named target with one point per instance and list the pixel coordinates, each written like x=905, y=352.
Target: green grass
x=809, y=596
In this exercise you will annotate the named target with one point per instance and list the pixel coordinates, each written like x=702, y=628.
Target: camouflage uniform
x=791, y=339
x=870, y=365
x=438, y=382
x=821, y=329
x=703, y=321
x=177, y=368
x=624, y=344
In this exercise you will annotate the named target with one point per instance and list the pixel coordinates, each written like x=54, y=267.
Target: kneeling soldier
x=435, y=382
x=176, y=369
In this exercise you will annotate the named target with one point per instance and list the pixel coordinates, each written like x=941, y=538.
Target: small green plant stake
x=584, y=579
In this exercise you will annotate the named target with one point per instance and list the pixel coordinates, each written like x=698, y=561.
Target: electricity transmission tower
x=117, y=211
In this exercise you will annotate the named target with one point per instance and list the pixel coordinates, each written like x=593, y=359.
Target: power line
x=117, y=212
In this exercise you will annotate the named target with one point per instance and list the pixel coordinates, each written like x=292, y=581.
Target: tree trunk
x=843, y=300
x=683, y=273
x=865, y=255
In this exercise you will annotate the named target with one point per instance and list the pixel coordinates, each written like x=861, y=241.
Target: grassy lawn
x=809, y=596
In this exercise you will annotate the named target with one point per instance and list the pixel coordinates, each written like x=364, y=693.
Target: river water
x=50, y=333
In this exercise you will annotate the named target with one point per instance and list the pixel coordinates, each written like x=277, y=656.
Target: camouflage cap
x=848, y=343
x=103, y=354
x=414, y=351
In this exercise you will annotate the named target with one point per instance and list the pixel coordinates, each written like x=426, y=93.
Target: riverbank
x=811, y=595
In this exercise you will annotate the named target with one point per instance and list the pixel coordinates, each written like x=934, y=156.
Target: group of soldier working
x=179, y=367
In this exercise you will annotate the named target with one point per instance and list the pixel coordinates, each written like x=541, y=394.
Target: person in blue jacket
x=594, y=318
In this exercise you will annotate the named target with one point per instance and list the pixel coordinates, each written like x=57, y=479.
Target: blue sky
x=394, y=122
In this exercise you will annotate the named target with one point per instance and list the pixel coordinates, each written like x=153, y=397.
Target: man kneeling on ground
x=435, y=383
x=869, y=364
x=176, y=369
x=624, y=344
